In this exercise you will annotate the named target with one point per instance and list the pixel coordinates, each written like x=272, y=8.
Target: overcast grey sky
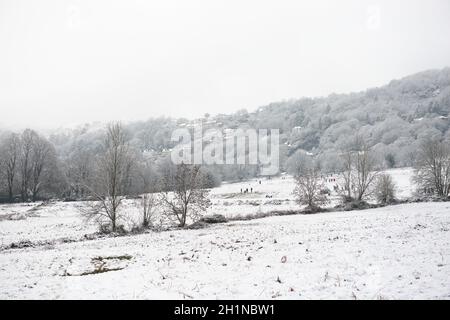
x=66, y=62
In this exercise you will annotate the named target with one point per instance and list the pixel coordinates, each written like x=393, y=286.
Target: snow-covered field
x=387, y=253
x=229, y=201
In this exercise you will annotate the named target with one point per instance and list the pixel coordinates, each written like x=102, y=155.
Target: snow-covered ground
x=389, y=253
x=276, y=194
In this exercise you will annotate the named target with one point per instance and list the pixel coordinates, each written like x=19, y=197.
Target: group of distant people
x=246, y=190
x=336, y=187
x=249, y=190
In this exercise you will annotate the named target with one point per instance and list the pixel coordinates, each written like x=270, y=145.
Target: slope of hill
x=392, y=118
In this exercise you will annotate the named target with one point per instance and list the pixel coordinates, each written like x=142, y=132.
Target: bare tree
x=9, y=150
x=42, y=156
x=433, y=167
x=80, y=170
x=385, y=189
x=346, y=174
x=111, y=176
x=29, y=161
x=148, y=176
x=309, y=184
x=25, y=169
x=149, y=204
x=358, y=170
x=183, y=194
x=365, y=170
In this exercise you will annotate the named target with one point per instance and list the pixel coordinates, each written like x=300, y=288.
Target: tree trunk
x=34, y=195
x=10, y=194
x=113, y=224
x=183, y=218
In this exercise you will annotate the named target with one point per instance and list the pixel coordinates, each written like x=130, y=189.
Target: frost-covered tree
x=80, y=170
x=148, y=203
x=365, y=172
x=385, y=189
x=358, y=170
x=37, y=164
x=309, y=184
x=184, y=195
x=111, y=177
x=43, y=163
x=432, y=170
x=9, y=158
x=28, y=139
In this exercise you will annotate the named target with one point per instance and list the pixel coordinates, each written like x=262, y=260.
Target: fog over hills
x=393, y=118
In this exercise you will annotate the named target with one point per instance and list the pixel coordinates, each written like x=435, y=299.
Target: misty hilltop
x=392, y=118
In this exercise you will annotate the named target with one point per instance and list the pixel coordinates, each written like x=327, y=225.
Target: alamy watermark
x=227, y=147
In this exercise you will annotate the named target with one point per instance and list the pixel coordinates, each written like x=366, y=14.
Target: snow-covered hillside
x=387, y=253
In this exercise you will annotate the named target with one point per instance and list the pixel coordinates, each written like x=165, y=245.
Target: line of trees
x=28, y=166
x=358, y=177
x=109, y=171
x=361, y=178
x=181, y=189
x=103, y=174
